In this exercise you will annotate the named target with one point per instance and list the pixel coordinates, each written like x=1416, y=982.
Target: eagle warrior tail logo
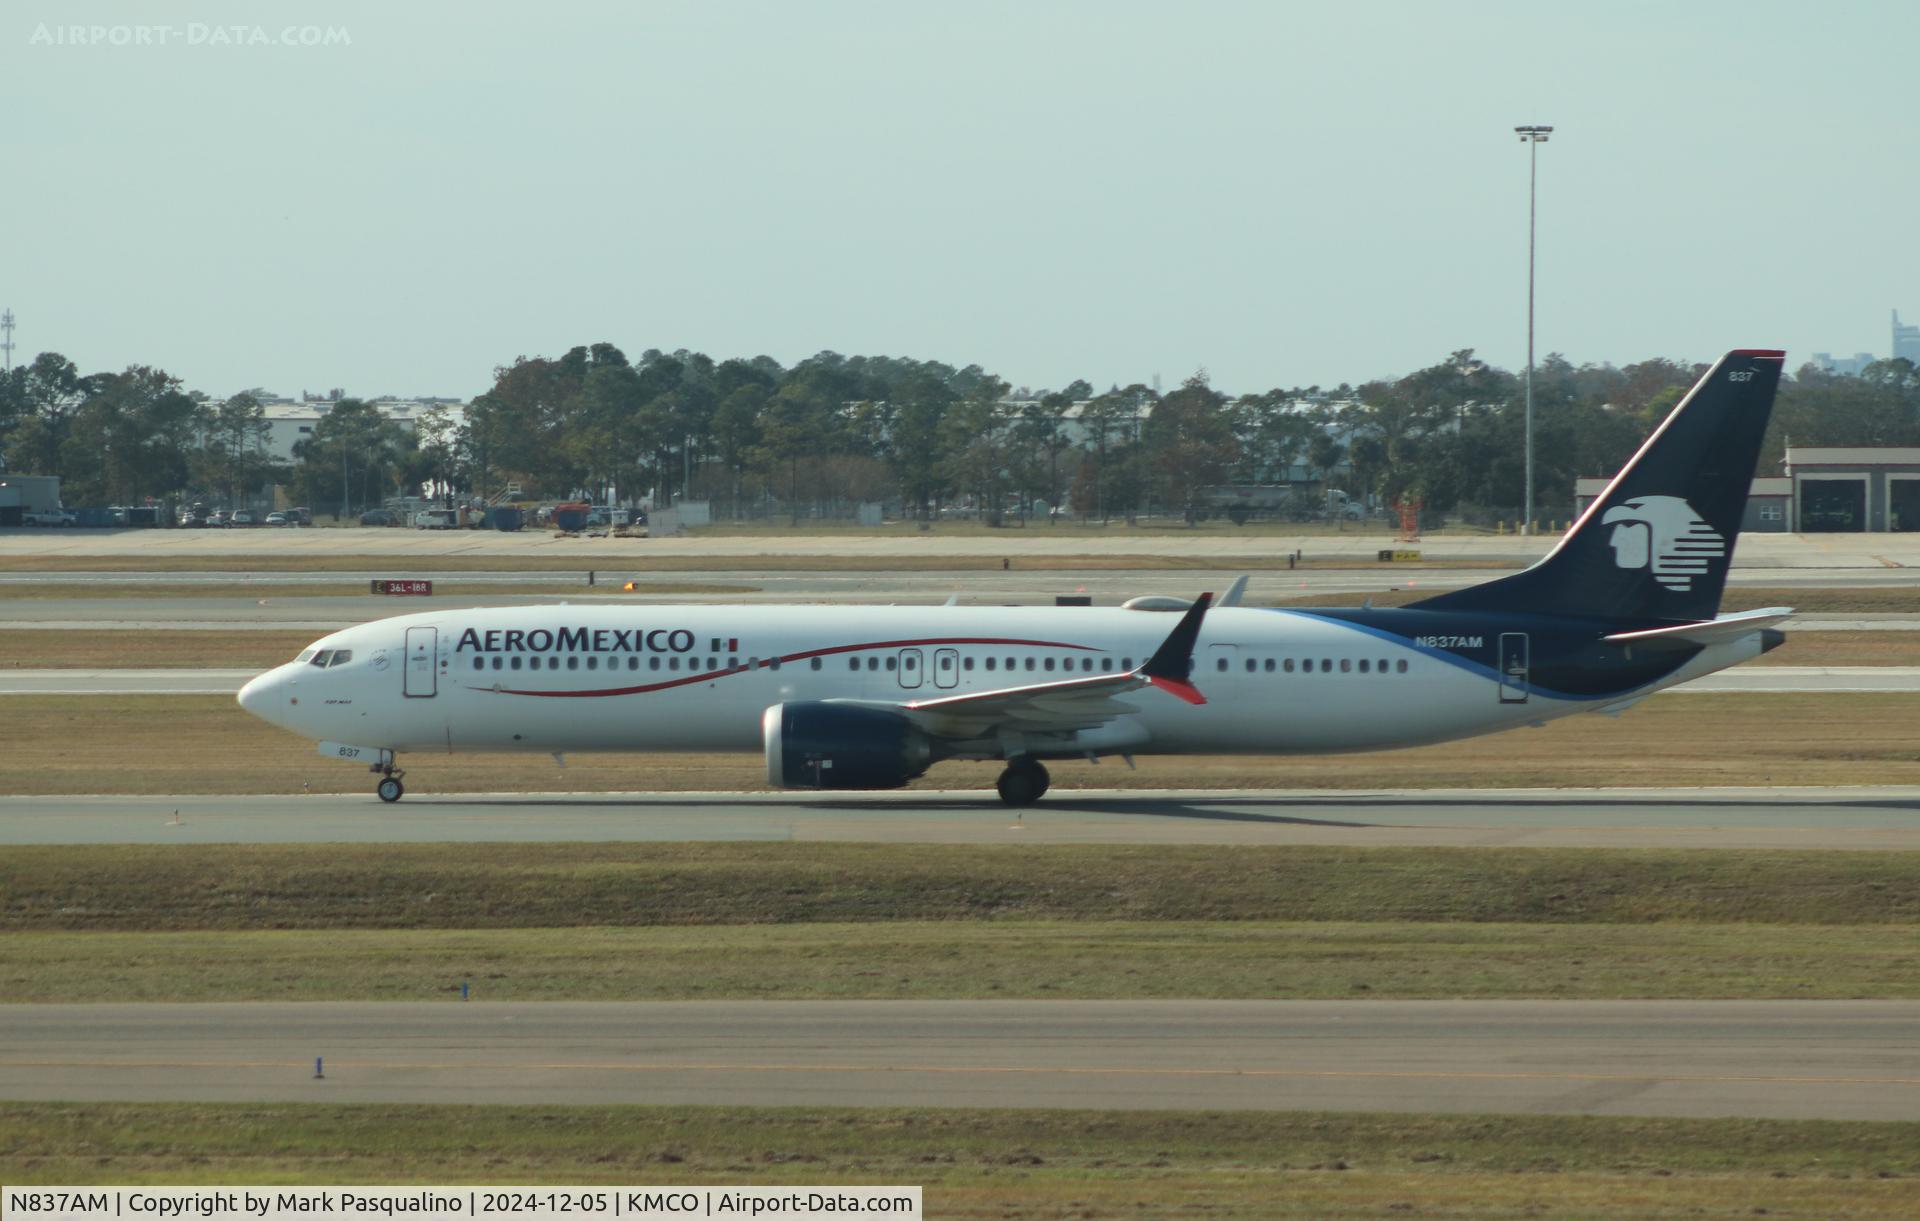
x=1664, y=533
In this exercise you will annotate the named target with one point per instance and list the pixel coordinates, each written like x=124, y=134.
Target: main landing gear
x=1024, y=782
x=390, y=789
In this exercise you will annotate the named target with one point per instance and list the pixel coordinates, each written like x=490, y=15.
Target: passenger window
x=1126, y=663
x=775, y=663
x=966, y=663
x=1287, y=665
x=673, y=663
x=713, y=663
x=593, y=663
x=892, y=662
x=1401, y=665
x=1381, y=665
x=1030, y=663
x=633, y=663
x=479, y=663
x=496, y=663
x=853, y=663
x=1049, y=664
x=1221, y=665
x=991, y=661
x=1326, y=665
x=1269, y=665
x=733, y=663
x=514, y=664
x=653, y=663
x=1252, y=665
x=573, y=662
x=946, y=663
x=1363, y=665
x=816, y=663
x=873, y=663
x=1106, y=665
x=1086, y=665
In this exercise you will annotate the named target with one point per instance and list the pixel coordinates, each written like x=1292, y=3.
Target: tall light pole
x=1533, y=136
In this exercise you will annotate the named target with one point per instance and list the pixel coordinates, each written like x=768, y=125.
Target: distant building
x=290, y=422
x=22, y=494
x=1853, y=490
x=1906, y=340
x=1844, y=366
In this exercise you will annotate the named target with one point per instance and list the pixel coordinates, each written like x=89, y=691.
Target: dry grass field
x=1027, y=1164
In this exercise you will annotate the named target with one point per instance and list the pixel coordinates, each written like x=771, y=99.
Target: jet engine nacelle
x=820, y=745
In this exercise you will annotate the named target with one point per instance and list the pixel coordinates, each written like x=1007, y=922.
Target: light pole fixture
x=1533, y=136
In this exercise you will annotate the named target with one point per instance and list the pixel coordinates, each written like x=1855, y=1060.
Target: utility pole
x=1533, y=136
x=6, y=336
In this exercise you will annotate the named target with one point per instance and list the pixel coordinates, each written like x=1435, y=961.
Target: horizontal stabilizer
x=1713, y=631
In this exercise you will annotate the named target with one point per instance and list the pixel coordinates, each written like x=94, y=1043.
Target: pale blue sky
x=1282, y=193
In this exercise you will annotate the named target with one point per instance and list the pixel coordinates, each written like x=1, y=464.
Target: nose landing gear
x=389, y=789
x=1024, y=782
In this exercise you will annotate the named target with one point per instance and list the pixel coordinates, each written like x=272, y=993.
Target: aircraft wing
x=1068, y=704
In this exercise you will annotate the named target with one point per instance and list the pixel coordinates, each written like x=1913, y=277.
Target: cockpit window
x=306, y=655
x=341, y=657
x=320, y=658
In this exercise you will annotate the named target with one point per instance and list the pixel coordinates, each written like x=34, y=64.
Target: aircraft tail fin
x=1657, y=542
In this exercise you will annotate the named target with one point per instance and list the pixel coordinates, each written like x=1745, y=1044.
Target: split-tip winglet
x=1172, y=663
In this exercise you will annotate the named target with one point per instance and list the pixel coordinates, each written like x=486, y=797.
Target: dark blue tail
x=1659, y=540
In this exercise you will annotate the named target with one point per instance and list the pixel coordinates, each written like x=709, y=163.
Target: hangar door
x=1903, y=504
x=1830, y=506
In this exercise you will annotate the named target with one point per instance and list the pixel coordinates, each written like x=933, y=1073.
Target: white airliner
x=860, y=697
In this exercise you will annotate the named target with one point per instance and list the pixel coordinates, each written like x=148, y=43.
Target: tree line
x=755, y=438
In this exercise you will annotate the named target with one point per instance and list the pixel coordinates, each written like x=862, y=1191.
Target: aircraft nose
x=263, y=696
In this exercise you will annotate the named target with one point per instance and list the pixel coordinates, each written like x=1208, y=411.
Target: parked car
x=378, y=517
x=50, y=517
x=241, y=517
x=220, y=517
x=278, y=519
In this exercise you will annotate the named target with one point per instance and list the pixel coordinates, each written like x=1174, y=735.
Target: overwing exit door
x=909, y=670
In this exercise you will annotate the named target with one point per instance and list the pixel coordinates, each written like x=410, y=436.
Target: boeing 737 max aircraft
x=853, y=697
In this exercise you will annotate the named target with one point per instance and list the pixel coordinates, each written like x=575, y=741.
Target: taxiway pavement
x=1783, y=1059
x=1861, y=819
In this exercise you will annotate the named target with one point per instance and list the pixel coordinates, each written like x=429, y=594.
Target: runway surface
x=281, y=605
x=1784, y=1059
x=1748, y=679
x=1034, y=541
x=1861, y=819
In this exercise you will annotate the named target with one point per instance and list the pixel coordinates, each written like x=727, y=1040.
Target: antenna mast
x=6, y=337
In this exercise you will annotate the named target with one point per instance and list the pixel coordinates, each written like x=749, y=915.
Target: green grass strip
x=919, y=960
x=328, y=886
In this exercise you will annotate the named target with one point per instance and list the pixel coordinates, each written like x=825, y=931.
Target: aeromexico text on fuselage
x=582, y=640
